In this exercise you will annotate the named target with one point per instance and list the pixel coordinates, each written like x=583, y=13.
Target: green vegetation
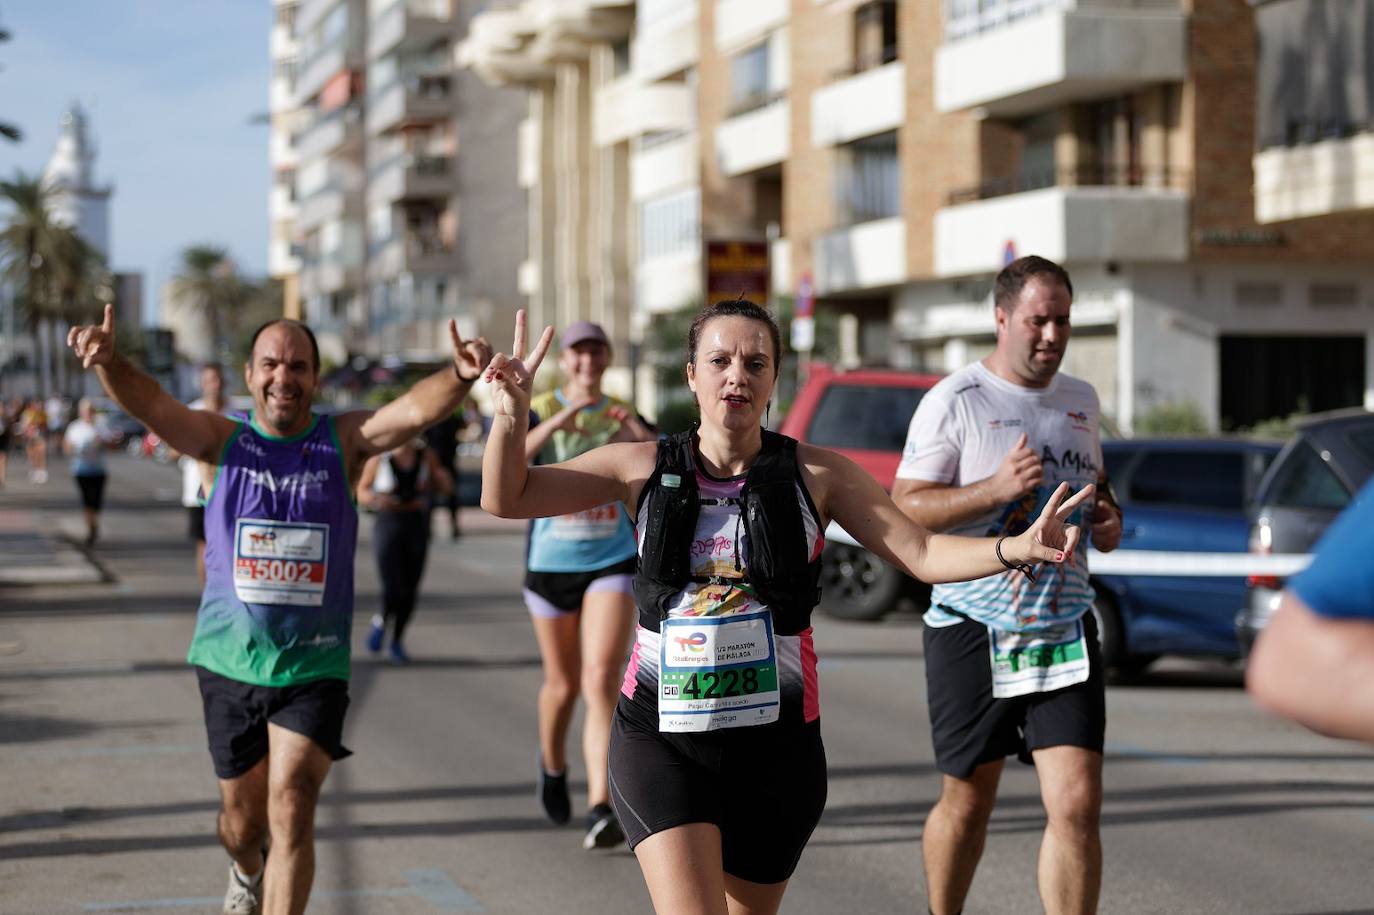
x=1172, y=419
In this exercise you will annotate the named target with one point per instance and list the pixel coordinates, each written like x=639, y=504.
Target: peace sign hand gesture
x=512, y=377
x=94, y=344
x=1050, y=539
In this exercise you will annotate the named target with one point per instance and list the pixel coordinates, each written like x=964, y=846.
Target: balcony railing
x=965, y=18
x=864, y=62
x=1303, y=132
x=756, y=100
x=1079, y=176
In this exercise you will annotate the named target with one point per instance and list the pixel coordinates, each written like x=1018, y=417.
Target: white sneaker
x=242, y=899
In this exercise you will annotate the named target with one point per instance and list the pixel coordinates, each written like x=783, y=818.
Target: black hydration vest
x=779, y=569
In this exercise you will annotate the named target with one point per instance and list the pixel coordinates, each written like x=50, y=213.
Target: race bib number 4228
x=280, y=562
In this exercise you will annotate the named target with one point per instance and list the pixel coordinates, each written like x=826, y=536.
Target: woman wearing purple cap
x=578, y=584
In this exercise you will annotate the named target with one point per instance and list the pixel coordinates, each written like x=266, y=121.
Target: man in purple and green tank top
x=271, y=646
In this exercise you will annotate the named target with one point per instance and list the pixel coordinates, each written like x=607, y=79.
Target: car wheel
x=856, y=584
x=1111, y=637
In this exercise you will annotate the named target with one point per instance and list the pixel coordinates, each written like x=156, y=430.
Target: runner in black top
x=695, y=858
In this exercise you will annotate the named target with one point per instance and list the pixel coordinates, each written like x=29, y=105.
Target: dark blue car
x=1180, y=496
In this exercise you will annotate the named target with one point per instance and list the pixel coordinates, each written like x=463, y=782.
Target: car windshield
x=869, y=417
x=1305, y=481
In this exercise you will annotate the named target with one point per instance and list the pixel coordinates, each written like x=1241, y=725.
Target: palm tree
x=33, y=247
x=57, y=276
x=209, y=283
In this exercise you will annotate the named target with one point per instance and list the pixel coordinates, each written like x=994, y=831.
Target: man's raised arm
x=194, y=432
x=423, y=405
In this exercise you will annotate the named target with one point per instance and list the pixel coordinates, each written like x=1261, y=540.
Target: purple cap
x=582, y=331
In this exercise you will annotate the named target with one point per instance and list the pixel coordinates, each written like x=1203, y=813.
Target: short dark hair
x=289, y=322
x=735, y=308
x=1006, y=289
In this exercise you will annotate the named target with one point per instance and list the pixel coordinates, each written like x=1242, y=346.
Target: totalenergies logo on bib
x=696, y=642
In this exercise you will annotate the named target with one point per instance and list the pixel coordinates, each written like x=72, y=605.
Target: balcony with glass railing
x=411, y=176
x=1072, y=215
x=412, y=252
x=339, y=131
x=1014, y=57
x=420, y=98
x=398, y=24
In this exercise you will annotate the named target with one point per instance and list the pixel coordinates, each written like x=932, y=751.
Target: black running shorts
x=969, y=727
x=92, y=490
x=195, y=526
x=764, y=787
x=237, y=714
x=565, y=590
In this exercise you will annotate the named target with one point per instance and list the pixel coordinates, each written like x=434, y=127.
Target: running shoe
x=242, y=899
x=374, y=638
x=552, y=792
x=398, y=653
x=603, y=829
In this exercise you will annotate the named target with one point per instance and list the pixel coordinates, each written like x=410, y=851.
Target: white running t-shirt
x=961, y=432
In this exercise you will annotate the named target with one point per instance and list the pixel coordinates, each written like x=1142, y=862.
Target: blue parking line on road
x=436, y=887
x=143, y=749
x=430, y=884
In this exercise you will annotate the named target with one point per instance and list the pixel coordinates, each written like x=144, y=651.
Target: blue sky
x=169, y=87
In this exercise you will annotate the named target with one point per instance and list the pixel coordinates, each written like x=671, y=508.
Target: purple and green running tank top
x=280, y=531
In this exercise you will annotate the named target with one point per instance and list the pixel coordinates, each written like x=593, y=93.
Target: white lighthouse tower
x=76, y=200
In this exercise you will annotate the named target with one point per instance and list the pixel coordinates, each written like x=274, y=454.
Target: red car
x=863, y=414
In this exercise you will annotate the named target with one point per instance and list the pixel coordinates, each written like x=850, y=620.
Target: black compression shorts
x=969, y=727
x=565, y=590
x=764, y=787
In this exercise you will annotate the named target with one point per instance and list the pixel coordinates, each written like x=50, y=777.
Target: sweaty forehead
x=735, y=333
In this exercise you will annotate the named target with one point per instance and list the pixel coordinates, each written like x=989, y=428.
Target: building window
x=670, y=224
x=869, y=180
x=620, y=58
x=749, y=79
x=875, y=34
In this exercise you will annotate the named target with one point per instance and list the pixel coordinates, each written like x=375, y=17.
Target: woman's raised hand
x=1050, y=539
x=512, y=376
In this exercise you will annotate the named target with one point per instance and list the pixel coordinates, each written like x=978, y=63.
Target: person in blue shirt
x=1313, y=661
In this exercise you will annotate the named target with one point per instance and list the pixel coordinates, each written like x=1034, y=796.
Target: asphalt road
x=107, y=798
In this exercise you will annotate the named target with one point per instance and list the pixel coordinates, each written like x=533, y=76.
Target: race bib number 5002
x=280, y=562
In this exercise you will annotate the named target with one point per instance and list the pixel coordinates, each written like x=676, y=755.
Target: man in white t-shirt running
x=1013, y=666
x=211, y=398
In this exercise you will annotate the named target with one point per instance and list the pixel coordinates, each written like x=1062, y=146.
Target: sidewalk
x=34, y=549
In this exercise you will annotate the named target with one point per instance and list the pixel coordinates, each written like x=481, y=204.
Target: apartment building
x=367, y=118
x=894, y=155
x=283, y=254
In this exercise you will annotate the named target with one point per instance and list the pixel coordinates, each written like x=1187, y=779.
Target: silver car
x=1311, y=481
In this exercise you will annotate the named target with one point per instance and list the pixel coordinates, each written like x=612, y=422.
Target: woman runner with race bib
x=717, y=770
